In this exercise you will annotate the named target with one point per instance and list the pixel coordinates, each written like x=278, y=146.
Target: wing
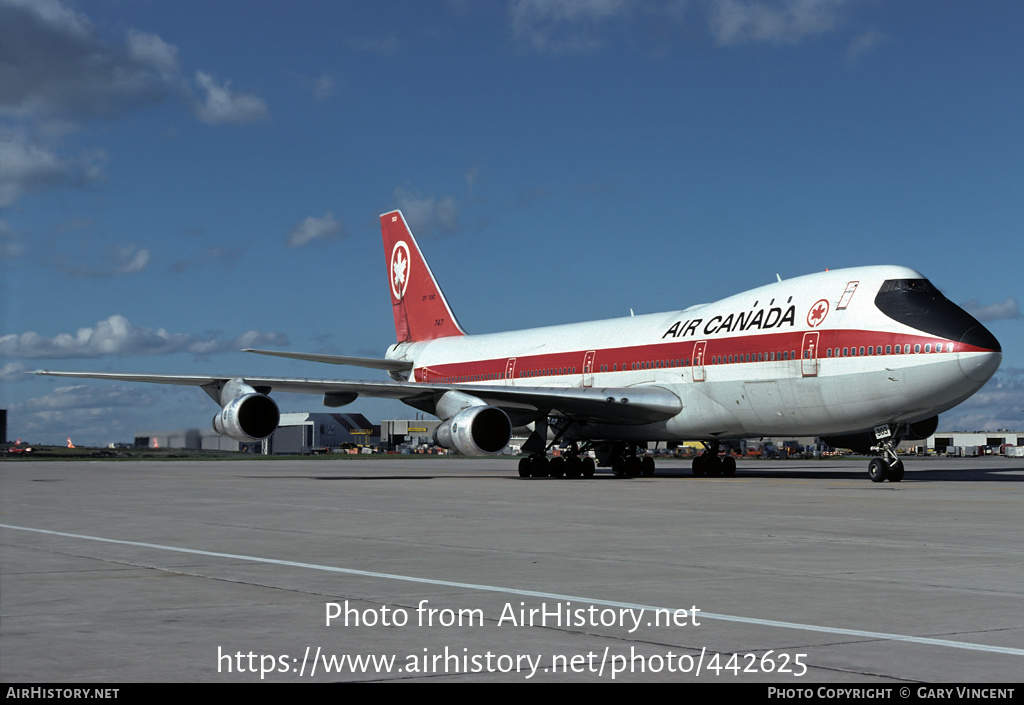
x=370, y=362
x=622, y=405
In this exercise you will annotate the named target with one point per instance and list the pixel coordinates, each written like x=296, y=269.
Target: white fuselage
x=806, y=356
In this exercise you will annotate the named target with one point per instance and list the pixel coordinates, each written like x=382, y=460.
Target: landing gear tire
x=619, y=467
x=877, y=470
x=894, y=473
x=729, y=466
x=699, y=466
x=573, y=466
x=540, y=466
x=525, y=467
x=647, y=466
x=588, y=467
x=633, y=466
x=556, y=467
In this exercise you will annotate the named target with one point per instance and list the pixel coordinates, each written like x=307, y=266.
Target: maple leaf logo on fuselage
x=817, y=313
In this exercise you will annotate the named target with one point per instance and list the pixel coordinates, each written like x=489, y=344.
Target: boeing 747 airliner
x=861, y=357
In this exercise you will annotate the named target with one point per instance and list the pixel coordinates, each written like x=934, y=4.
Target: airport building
x=298, y=433
x=315, y=432
x=975, y=442
x=396, y=434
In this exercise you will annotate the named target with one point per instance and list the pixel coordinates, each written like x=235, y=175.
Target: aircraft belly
x=611, y=432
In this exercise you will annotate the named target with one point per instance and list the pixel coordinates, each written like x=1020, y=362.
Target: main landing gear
x=622, y=458
x=709, y=463
x=570, y=464
x=889, y=466
x=625, y=462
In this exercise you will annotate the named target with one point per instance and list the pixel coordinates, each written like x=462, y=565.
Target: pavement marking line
x=948, y=643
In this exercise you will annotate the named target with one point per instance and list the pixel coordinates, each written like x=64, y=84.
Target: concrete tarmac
x=793, y=572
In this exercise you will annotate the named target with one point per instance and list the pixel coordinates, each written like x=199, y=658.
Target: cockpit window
x=922, y=286
x=918, y=304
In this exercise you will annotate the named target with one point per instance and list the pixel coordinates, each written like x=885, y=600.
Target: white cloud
x=11, y=246
x=13, y=372
x=26, y=166
x=324, y=87
x=427, y=214
x=57, y=71
x=783, y=22
x=125, y=259
x=862, y=44
x=993, y=312
x=562, y=25
x=84, y=396
x=130, y=260
x=117, y=336
x=154, y=51
x=310, y=229
x=56, y=64
x=84, y=412
x=220, y=105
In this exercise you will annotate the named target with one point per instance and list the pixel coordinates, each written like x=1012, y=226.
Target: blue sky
x=182, y=179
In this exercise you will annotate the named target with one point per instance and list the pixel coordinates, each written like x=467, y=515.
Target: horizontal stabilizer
x=371, y=362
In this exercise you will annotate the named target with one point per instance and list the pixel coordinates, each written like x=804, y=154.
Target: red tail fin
x=421, y=311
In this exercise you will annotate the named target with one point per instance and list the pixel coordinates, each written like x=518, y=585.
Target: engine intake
x=249, y=417
x=478, y=430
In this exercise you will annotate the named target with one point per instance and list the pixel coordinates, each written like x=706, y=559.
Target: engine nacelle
x=919, y=430
x=249, y=417
x=478, y=430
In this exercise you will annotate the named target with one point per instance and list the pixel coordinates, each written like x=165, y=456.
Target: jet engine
x=248, y=417
x=863, y=442
x=477, y=430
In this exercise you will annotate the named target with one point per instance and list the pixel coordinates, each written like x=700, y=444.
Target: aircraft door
x=588, y=368
x=809, y=355
x=847, y=295
x=510, y=372
x=698, y=360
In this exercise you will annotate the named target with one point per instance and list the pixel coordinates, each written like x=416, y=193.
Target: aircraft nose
x=980, y=354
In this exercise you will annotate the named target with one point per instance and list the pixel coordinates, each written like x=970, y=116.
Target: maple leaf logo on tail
x=399, y=269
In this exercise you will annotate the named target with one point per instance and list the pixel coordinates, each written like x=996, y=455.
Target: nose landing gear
x=889, y=466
